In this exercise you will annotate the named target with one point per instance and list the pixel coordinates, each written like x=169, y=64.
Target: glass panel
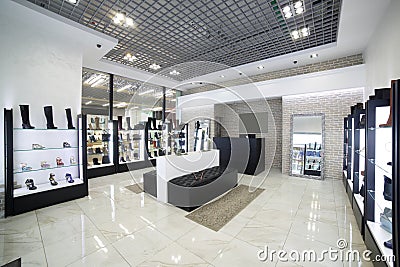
x=99, y=141
x=95, y=92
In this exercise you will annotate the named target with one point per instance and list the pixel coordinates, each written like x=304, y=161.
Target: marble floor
x=116, y=227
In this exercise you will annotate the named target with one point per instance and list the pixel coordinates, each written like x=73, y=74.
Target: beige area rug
x=214, y=215
x=135, y=188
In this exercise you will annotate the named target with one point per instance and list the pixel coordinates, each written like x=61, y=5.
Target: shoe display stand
x=178, y=140
x=345, y=149
x=155, y=140
x=313, y=158
x=100, y=134
x=131, y=146
x=350, y=155
x=358, y=165
x=32, y=156
x=375, y=196
x=298, y=159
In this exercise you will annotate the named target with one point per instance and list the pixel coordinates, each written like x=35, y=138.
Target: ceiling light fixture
x=89, y=102
x=222, y=76
x=260, y=67
x=315, y=55
x=154, y=66
x=130, y=57
x=124, y=88
x=106, y=105
x=304, y=32
x=174, y=72
x=293, y=9
x=74, y=2
x=98, y=82
x=121, y=19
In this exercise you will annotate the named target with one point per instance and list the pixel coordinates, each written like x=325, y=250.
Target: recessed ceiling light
x=288, y=15
x=299, y=10
x=222, y=76
x=315, y=55
x=154, y=66
x=89, y=102
x=130, y=57
x=298, y=4
x=74, y=2
x=146, y=92
x=286, y=9
x=260, y=67
x=304, y=32
x=174, y=72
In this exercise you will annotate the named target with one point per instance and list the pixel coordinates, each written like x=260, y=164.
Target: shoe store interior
x=200, y=133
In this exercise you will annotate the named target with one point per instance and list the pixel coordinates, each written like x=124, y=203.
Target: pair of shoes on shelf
x=59, y=162
x=25, y=167
x=30, y=184
x=44, y=164
x=53, y=181
x=37, y=146
x=66, y=145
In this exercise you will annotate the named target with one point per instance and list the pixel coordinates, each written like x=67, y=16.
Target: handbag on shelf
x=105, y=160
x=387, y=189
x=105, y=137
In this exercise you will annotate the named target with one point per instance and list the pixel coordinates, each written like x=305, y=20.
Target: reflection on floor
x=116, y=227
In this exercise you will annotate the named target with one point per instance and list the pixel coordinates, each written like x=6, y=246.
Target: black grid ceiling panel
x=223, y=31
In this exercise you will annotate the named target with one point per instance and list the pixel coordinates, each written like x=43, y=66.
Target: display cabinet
x=378, y=183
x=100, y=145
x=178, y=139
x=43, y=166
x=358, y=163
x=201, y=134
x=313, y=157
x=345, y=149
x=155, y=140
x=350, y=155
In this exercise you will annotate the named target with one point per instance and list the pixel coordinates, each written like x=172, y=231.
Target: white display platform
x=380, y=235
x=45, y=187
x=360, y=202
x=172, y=166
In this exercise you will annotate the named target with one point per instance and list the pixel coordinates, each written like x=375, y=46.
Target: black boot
x=120, y=123
x=48, y=112
x=25, y=117
x=69, y=118
x=128, y=123
x=149, y=122
x=154, y=124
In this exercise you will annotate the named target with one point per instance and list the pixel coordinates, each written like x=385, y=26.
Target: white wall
x=41, y=64
x=382, y=56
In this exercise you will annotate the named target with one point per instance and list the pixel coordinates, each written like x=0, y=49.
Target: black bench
x=195, y=189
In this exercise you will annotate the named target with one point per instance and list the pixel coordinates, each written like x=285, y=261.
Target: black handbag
x=105, y=137
x=387, y=189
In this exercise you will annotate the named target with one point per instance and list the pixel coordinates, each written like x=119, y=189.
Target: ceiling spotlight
x=298, y=4
x=130, y=57
x=304, y=32
x=222, y=76
x=174, y=72
x=74, y=2
x=121, y=19
x=286, y=9
x=89, y=102
x=299, y=10
x=154, y=66
x=288, y=15
x=260, y=67
x=315, y=55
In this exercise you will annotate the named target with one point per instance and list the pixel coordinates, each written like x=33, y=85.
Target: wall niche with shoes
x=43, y=164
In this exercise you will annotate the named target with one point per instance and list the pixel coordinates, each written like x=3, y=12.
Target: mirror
x=307, y=145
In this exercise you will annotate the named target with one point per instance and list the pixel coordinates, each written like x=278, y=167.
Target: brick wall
x=310, y=68
x=228, y=116
x=335, y=106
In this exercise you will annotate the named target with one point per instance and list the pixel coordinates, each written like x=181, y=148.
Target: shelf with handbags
x=378, y=183
x=99, y=141
x=43, y=164
x=130, y=141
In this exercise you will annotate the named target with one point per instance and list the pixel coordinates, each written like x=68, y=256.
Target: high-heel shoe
x=52, y=180
x=30, y=184
x=44, y=164
x=59, y=162
x=72, y=160
x=66, y=145
x=68, y=178
x=37, y=146
x=25, y=167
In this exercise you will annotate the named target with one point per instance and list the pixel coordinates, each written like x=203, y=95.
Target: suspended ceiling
x=228, y=32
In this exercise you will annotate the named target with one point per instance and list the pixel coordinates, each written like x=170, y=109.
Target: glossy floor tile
x=116, y=227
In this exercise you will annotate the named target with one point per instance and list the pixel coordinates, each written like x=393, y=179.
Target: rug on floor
x=214, y=215
x=135, y=188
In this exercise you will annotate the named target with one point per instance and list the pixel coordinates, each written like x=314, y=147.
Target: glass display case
x=130, y=141
x=99, y=142
x=202, y=140
x=43, y=166
x=378, y=201
x=179, y=144
x=156, y=139
x=313, y=159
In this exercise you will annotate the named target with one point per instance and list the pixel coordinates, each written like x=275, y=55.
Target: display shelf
x=382, y=166
x=360, y=202
x=45, y=169
x=380, y=236
x=45, y=187
x=100, y=166
x=46, y=148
